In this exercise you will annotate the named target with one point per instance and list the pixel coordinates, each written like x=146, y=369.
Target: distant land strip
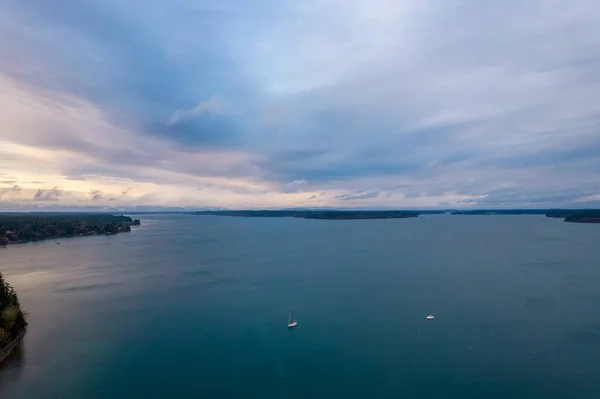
x=331, y=215
x=569, y=215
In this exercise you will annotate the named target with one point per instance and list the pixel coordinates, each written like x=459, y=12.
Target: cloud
x=11, y=192
x=588, y=198
x=394, y=97
x=357, y=195
x=96, y=195
x=277, y=118
x=209, y=130
x=211, y=106
x=52, y=194
x=294, y=186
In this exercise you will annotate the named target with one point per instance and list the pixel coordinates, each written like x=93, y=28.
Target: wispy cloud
x=52, y=194
x=294, y=186
x=211, y=106
x=358, y=195
x=10, y=192
x=96, y=195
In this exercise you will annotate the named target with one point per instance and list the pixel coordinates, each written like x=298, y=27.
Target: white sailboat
x=291, y=323
x=430, y=317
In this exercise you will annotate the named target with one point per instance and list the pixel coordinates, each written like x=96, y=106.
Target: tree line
x=29, y=227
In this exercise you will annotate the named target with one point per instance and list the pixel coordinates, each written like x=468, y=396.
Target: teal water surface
x=197, y=307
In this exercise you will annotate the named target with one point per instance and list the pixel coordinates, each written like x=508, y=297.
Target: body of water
x=197, y=307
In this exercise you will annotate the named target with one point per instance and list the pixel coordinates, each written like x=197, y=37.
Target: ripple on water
x=539, y=303
x=87, y=287
x=197, y=272
x=583, y=336
x=594, y=299
x=546, y=265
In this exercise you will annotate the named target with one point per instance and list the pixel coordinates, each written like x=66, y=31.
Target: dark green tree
x=12, y=318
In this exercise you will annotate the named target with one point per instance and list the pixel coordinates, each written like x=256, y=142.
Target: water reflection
x=12, y=367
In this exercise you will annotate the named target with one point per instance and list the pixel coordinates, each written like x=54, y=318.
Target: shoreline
x=583, y=221
x=10, y=347
x=63, y=236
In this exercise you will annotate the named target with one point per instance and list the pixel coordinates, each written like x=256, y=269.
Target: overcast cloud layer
x=306, y=103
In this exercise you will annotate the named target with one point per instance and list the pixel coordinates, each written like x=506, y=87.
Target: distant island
x=501, y=212
x=12, y=319
x=312, y=214
x=18, y=228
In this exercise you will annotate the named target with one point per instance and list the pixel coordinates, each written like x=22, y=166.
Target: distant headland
x=591, y=216
x=315, y=214
x=23, y=227
x=569, y=215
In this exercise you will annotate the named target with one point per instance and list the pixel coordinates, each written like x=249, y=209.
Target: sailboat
x=291, y=323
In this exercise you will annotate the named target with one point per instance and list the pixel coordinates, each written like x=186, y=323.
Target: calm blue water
x=197, y=306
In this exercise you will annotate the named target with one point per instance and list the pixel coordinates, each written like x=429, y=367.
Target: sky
x=118, y=104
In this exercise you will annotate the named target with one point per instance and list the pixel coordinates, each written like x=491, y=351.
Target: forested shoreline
x=12, y=318
x=18, y=228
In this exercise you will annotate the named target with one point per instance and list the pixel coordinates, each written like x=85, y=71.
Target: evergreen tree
x=12, y=319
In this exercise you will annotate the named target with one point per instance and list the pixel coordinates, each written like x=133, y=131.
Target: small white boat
x=430, y=317
x=291, y=323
